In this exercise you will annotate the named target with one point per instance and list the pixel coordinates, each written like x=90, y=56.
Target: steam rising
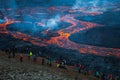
x=29, y=21
x=52, y=23
x=90, y=5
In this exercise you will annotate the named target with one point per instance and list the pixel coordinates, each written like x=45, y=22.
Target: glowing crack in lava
x=63, y=39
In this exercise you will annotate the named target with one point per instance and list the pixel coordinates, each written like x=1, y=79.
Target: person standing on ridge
x=30, y=55
x=21, y=58
x=9, y=53
x=34, y=58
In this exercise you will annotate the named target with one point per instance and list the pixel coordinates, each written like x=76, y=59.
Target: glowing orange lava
x=63, y=40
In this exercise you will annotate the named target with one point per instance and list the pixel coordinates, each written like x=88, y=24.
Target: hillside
x=13, y=69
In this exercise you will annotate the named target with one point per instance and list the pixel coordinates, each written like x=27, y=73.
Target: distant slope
x=99, y=36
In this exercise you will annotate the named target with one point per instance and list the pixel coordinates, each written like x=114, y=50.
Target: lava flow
x=63, y=39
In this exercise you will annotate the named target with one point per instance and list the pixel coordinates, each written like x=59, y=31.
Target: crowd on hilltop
x=60, y=63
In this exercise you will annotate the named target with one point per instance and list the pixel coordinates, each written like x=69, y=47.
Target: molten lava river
x=52, y=27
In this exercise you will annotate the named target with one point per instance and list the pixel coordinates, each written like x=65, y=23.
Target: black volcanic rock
x=100, y=36
x=36, y=31
x=108, y=18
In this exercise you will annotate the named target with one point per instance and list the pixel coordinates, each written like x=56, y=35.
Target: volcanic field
x=82, y=32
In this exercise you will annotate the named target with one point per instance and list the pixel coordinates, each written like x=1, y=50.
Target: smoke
x=78, y=4
x=52, y=23
x=90, y=5
x=25, y=21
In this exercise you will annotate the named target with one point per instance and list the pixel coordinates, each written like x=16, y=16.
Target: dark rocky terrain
x=106, y=36
x=100, y=36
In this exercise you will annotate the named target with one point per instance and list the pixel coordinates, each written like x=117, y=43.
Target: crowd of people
x=61, y=63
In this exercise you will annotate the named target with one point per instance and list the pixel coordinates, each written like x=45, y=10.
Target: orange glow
x=63, y=40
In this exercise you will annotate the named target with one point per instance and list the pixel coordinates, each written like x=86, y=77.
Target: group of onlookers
x=62, y=63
